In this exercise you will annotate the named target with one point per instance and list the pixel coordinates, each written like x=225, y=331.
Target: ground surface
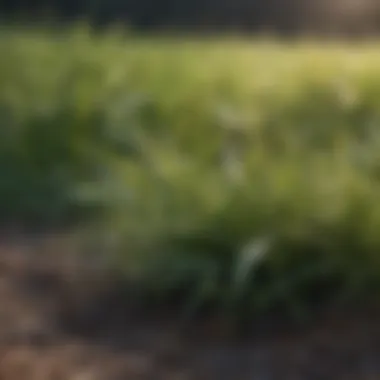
x=58, y=321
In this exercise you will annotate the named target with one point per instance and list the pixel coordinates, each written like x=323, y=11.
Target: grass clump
x=238, y=175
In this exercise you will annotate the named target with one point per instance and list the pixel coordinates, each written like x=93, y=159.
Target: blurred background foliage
x=243, y=176
x=283, y=17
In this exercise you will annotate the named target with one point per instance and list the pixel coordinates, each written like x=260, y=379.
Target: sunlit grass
x=198, y=150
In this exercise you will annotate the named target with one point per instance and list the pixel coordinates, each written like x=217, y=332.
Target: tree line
x=282, y=16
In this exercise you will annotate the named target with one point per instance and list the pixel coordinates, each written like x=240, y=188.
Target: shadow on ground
x=62, y=320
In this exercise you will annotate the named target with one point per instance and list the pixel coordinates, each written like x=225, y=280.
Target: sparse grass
x=234, y=174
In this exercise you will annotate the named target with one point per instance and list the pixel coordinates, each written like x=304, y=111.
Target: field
x=225, y=175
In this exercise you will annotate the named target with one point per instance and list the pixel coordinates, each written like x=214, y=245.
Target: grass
x=237, y=174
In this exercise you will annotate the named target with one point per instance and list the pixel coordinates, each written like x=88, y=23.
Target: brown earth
x=62, y=320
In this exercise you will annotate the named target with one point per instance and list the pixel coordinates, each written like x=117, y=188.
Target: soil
x=62, y=319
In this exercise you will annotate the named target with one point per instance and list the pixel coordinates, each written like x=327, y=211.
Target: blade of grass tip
x=248, y=259
x=252, y=254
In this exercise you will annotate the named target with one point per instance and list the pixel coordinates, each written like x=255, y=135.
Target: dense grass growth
x=227, y=173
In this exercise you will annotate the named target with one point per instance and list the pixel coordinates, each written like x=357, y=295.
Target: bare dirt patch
x=61, y=319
